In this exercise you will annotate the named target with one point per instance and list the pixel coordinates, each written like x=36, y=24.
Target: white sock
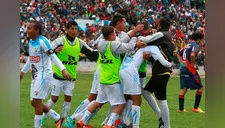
x=50, y=103
x=82, y=106
x=54, y=115
x=112, y=119
x=66, y=109
x=136, y=114
x=92, y=115
x=165, y=113
x=152, y=102
x=37, y=121
x=86, y=117
x=79, y=115
x=142, y=82
x=109, y=114
x=127, y=112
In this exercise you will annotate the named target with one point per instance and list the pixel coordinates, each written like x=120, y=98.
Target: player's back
x=185, y=53
x=133, y=60
x=39, y=60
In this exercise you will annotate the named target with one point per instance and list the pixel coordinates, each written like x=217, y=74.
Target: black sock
x=198, y=97
x=181, y=102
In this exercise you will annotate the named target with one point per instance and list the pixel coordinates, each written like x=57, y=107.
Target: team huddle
x=119, y=75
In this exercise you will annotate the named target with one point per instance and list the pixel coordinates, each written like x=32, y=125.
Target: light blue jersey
x=39, y=60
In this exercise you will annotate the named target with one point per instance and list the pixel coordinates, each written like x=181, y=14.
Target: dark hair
x=146, y=25
x=37, y=25
x=165, y=23
x=106, y=31
x=197, y=35
x=70, y=24
x=116, y=18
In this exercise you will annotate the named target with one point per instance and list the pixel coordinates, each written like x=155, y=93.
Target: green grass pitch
x=148, y=117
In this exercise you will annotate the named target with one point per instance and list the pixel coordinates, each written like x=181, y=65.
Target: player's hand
x=139, y=27
x=146, y=55
x=21, y=75
x=140, y=44
x=173, y=64
x=65, y=74
x=194, y=66
x=154, y=31
x=60, y=48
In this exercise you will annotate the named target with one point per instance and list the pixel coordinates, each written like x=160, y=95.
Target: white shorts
x=40, y=88
x=130, y=82
x=65, y=86
x=96, y=82
x=111, y=93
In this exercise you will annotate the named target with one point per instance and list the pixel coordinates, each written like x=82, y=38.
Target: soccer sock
x=86, y=117
x=181, y=102
x=54, y=115
x=112, y=119
x=92, y=115
x=79, y=115
x=142, y=82
x=198, y=97
x=66, y=109
x=127, y=112
x=109, y=114
x=50, y=103
x=82, y=106
x=37, y=121
x=165, y=113
x=152, y=102
x=136, y=116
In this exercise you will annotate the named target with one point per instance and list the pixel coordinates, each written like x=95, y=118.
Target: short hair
x=107, y=30
x=70, y=24
x=165, y=23
x=146, y=25
x=37, y=25
x=197, y=35
x=116, y=18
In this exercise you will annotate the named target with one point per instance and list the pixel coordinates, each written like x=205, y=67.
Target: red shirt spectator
x=104, y=17
x=91, y=9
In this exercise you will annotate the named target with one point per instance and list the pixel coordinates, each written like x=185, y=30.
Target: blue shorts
x=189, y=80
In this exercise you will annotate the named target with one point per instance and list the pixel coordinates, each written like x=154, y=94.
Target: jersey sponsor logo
x=71, y=61
x=104, y=60
x=35, y=59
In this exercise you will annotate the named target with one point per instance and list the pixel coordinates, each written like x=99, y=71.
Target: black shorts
x=189, y=80
x=157, y=84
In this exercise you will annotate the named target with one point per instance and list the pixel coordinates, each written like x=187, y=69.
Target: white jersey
x=40, y=62
x=133, y=60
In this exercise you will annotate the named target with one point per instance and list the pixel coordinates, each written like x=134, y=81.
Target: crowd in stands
x=186, y=16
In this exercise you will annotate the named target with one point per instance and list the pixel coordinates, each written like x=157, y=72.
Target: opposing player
x=40, y=56
x=189, y=77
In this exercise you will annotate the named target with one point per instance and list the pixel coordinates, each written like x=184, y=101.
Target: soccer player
x=119, y=23
x=67, y=49
x=110, y=86
x=130, y=78
x=161, y=74
x=40, y=56
x=189, y=77
x=142, y=77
